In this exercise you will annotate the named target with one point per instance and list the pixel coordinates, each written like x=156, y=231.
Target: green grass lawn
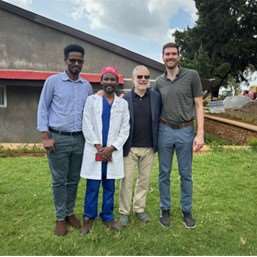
x=225, y=190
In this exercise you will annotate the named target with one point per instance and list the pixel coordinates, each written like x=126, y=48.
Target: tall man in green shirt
x=181, y=93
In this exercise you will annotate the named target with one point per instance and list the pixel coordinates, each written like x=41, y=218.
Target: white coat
x=117, y=136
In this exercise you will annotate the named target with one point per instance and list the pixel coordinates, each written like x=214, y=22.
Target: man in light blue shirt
x=59, y=119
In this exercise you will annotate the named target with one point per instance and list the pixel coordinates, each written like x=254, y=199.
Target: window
x=3, y=98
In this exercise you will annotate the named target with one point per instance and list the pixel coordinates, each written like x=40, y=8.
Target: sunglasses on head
x=143, y=76
x=73, y=61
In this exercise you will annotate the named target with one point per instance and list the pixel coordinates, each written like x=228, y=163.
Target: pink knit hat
x=110, y=69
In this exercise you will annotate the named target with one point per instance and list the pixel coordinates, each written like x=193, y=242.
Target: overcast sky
x=142, y=26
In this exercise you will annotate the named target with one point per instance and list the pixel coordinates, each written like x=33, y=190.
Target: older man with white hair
x=144, y=106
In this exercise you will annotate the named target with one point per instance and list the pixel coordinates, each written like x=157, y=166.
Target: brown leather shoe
x=60, y=228
x=113, y=225
x=73, y=221
x=87, y=226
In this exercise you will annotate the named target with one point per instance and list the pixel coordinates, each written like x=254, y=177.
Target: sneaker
x=189, y=221
x=87, y=226
x=143, y=217
x=73, y=221
x=124, y=220
x=165, y=218
x=113, y=225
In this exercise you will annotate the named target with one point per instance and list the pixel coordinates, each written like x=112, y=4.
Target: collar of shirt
x=146, y=93
x=65, y=77
x=177, y=75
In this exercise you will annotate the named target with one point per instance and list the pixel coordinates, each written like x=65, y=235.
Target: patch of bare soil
x=234, y=134
x=247, y=113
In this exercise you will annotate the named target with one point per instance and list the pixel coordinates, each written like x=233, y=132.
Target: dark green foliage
x=224, y=39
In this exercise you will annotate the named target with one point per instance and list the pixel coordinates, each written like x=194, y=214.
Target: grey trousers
x=179, y=141
x=65, y=164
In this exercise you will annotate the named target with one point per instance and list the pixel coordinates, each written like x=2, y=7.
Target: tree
x=225, y=34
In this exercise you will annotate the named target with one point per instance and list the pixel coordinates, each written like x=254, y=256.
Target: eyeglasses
x=110, y=79
x=73, y=61
x=143, y=76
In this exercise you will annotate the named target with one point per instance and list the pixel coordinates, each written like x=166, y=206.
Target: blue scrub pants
x=91, y=197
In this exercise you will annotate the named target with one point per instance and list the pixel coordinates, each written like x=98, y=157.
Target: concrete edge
x=20, y=146
x=39, y=146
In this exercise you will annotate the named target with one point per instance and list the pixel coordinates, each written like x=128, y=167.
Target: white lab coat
x=117, y=136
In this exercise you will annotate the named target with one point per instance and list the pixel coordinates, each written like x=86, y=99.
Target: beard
x=171, y=65
x=75, y=70
x=109, y=89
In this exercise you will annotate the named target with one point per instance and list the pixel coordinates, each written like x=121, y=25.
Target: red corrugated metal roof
x=43, y=75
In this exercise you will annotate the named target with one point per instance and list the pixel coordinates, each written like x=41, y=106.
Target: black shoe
x=189, y=221
x=165, y=218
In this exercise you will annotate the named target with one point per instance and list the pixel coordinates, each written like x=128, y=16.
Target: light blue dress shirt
x=62, y=102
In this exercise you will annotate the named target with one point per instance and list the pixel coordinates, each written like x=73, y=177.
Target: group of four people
x=103, y=137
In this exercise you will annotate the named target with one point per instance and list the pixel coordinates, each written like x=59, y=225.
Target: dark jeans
x=65, y=165
x=180, y=141
x=91, y=197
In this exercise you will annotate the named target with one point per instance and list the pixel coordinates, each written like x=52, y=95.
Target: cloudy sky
x=142, y=26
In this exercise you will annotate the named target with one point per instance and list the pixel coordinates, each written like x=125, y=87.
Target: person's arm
x=43, y=115
x=98, y=147
x=199, y=138
x=106, y=152
x=121, y=138
x=124, y=130
x=90, y=91
x=87, y=123
x=48, y=143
